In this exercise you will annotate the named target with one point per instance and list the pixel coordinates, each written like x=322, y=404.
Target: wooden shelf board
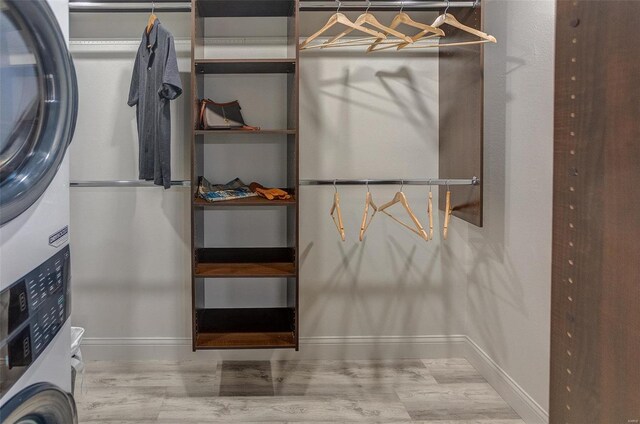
x=249, y=132
x=245, y=254
x=242, y=8
x=245, y=269
x=237, y=328
x=245, y=66
x=247, y=201
x=245, y=262
x=260, y=340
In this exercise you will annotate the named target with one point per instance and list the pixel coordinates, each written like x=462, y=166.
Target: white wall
x=371, y=116
x=130, y=246
x=361, y=116
x=508, y=295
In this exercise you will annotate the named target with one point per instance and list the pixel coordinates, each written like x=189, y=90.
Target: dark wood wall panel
x=461, y=115
x=595, y=333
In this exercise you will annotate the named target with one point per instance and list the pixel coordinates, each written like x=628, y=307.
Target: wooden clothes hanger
x=370, y=19
x=366, y=41
x=400, y=19
x=404, y=19
x=338, y=18
x=335, y=208
x=419, y=45
x=402, y=199
x=448, y=210
x=152, y=17
x=365, y=224
x=449, y=19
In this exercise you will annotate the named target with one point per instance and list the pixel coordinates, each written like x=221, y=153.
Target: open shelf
x=245, y=66
x=237, y=328
x=241, y=8
x=247, y=201
x=245, y=262
x=237, y=131
x=271, y=340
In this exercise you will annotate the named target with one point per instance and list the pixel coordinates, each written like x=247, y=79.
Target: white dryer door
x=42, y=403
x=38, y=103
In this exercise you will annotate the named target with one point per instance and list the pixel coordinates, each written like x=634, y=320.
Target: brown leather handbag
x=222, y=116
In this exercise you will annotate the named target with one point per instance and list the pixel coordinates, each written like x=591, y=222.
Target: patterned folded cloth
x=269, y=193
x=234, y=189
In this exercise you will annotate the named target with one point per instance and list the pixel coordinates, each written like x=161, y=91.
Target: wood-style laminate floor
x=447, y=391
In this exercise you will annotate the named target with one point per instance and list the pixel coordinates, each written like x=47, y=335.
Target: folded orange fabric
x=269, y=193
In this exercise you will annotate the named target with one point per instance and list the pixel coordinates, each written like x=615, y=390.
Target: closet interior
x=244, y=248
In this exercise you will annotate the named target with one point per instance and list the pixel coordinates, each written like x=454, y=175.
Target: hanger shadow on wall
x=416, y=112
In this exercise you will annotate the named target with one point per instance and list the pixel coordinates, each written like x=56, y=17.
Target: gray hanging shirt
x=154, y=82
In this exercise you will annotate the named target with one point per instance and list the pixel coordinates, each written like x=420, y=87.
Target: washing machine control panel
x=32, y=311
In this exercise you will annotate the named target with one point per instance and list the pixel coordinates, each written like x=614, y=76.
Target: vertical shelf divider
x=293, y=160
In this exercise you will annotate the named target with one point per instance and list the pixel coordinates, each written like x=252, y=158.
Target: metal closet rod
x=421, y=181
x=134, y=6
x=383, y=5
x=305, y=5
x=125, y=183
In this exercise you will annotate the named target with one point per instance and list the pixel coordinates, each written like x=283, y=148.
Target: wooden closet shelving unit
x=237, y=328
x=249, y=201
x=243, y=132
x=245, y=66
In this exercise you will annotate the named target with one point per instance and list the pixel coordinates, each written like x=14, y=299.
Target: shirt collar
x=152, y=36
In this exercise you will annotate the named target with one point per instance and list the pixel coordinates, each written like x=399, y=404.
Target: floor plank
x=284, y=408
x=447, y=391
x=461, y=401
x=149, y=374
x=120, y=403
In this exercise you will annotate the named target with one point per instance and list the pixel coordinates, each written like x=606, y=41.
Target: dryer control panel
x=32, y=311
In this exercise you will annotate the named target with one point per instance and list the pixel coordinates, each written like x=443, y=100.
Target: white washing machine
x=38, y=108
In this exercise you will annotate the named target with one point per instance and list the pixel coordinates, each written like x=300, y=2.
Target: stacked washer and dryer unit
x=38, y=108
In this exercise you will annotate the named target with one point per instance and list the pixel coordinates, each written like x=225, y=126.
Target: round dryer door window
x=38, y=103
x=42, y=403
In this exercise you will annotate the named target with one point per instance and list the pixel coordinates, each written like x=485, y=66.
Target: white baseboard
x=345, y=347
x=135, y=348
x=383, y=347
x=529, y=410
